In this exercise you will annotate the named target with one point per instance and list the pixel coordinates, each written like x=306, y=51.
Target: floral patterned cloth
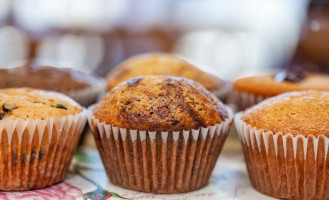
x=56, y=192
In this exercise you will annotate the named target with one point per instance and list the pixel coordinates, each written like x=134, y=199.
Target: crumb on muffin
x=160, y=103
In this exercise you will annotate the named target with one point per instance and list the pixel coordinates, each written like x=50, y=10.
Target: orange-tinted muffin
x=160, y=103
x=253, y=89
x=173, y=128
x=161, y=64
x=39, y=132
x=285, y=141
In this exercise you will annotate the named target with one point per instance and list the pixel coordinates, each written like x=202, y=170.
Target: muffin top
x=305, y=113
x=161, y=64
x=160, y=103
x=272, y=85
x=45, y=78
x=27, y=103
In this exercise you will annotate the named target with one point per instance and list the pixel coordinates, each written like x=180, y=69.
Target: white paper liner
x=88, y=95
x=160, y=161
x=244, y=100
x=57, y=124
x=247, y=134
x=106, y=130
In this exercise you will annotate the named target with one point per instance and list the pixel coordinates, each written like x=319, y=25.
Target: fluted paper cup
x=89, y=95
x=160, y=162
x=283, y=165
x=35, y=153
x=243, y=100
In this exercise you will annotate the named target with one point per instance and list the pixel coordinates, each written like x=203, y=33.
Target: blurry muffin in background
x=165, y=64
x=39, y=132
x=248, y=91
x=160, y=134
x=82, y=87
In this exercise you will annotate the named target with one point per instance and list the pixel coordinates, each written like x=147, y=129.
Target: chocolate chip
x=291, y=75
x=175, y=122
x=6, y=107
x=61, y=106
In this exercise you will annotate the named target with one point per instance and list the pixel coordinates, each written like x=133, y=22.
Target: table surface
x=87, y=180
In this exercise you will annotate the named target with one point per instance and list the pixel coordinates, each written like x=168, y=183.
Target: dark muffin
x=253, y=89
x=165, y=64
x=285, y=141
x=39, y=132
x=80, y=86
x=173, y=127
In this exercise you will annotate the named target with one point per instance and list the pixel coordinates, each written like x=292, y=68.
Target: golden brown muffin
x=296, y=113
x=39, y=132
x=160, y=134
x=160, y=103
x=161, y=64
x=28, y=103
x=285, y=141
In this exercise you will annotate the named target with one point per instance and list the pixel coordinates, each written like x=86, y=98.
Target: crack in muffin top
x=305, y=113
x=28, y=103
x=160, y=103
x=161, y=64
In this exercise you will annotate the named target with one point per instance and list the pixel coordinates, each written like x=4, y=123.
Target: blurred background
x=224, y=37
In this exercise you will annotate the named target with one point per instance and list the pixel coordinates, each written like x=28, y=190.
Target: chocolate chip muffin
x=160, y=134
x=253, y=89
x=80, y=86
x=285, y=141
x=165, y=64
x=39, y=131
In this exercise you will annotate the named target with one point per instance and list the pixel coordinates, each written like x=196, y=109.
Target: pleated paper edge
x=20, y=125
x=247, y=134
x=107, y=129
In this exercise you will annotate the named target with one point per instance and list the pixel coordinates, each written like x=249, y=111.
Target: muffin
x=81, y=87
x=160, y=134
x=285, y=141
x=251, y=90
x=39, y=131
x=165, y=64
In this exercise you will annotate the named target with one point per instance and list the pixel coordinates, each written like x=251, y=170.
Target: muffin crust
x=266, y=85
x=161, y=64
x=303, y=113
x=27, y=103
x=160, y=103
x=45, y=78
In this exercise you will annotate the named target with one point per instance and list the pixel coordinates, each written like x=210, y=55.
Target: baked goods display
x=82, y=87
x=39, y=132
x=254, y=89
x=160, y=134
x=165, y=64
x=285, y=142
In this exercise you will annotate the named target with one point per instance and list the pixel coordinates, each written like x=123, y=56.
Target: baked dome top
x=46, y=78
x=27, y=103
x=160, y=103
x=305, y=113
x=266, y=85
x=161, y=64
